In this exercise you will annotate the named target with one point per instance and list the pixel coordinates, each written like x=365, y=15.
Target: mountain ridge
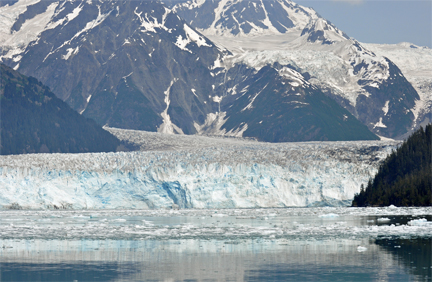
x=342, y=67
x=34, y=120
x=139, y=65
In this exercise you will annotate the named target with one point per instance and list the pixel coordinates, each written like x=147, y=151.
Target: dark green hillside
x=34, y=120
x=405, y=177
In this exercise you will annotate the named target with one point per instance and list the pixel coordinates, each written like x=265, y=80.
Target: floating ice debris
x=189, y=224
x=219, y=215
x=421, y=221
x=361, y=249
x=383, y=219
x=328, y=215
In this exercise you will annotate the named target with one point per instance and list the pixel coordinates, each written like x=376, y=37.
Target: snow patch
x=15, y=43
x=249, y=106
x=195, y=37
x=190, y=36
x=217, y=99
x=380, y=124
x=167, y=126
x=70, y=52
x=90, y=25
x=386, y=107
x=150, y=23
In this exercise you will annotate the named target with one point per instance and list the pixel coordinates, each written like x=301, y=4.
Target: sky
x=379, y=21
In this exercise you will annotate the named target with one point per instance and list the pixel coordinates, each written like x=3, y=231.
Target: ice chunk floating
x=213, y=174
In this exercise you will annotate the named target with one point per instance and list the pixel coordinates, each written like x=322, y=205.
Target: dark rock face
x=391, y=101
x=277, y=104
x=8, y=2
x=34, y=120
x=114, y=63
x=138, y=65
x=236, y=17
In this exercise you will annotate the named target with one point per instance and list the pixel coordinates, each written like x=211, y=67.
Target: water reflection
x=412, y=254
x=208, y=260
x=94, y=271
x=325, y=244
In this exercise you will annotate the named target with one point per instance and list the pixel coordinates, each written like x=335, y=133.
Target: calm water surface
x=315, y=244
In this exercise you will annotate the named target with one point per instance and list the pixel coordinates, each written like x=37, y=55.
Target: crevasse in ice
x=228, y=175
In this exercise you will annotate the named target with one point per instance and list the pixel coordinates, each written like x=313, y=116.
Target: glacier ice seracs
x=193, y=172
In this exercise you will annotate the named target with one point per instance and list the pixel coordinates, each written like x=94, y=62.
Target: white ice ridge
x=240, y=175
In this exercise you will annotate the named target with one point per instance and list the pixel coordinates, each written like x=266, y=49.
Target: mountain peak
x=323, y=31
x=243, y=17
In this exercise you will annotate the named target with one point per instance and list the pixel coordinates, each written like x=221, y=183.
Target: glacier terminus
x=193, y=172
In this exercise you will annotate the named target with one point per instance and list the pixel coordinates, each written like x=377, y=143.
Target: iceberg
x=419, y=222
x=210, y=173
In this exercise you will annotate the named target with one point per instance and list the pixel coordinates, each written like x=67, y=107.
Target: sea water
x=289, y=244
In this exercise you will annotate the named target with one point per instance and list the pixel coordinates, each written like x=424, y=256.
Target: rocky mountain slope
x=243, y=18
x=278, y=104
x=34, y=120
x=132, y=64
x=415, y=62
x=370, y=86
x=139, y=65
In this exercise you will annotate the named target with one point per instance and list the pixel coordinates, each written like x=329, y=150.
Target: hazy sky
x=379, y=21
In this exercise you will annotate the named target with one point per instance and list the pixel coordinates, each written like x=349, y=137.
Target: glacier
x=192, y=172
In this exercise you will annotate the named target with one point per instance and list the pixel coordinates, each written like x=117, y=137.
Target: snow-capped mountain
x=240, y=18
x=370, y=86
x=277, y=103
x=131, y=64
x=321, y=30
x=373, y=87
x=138, y=65
x=415, y=62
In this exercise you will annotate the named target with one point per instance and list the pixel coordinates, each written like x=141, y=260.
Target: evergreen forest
x=405, y=177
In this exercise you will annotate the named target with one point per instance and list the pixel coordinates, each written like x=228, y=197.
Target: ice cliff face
x=230, y=174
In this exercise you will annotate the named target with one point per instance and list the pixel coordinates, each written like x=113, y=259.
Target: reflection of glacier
x=228, y=174
x=199, y=260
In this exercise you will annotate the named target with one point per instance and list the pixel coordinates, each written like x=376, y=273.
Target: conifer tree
x=405, y=177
